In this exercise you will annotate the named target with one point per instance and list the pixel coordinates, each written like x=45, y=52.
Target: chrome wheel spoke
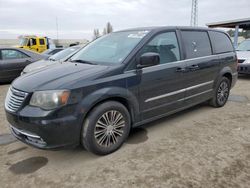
x=101, y=125
x=119, y=125
x=118, y=132
x=100, y=133
x=113, y=137
x=118, y=118
x=102, y=139
x=106, y=118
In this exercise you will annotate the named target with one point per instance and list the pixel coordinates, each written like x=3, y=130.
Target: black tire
x=221, y=93
x=93, y=128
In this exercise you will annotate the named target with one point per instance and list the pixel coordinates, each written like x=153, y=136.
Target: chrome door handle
x=193, y=67
x=180, y=69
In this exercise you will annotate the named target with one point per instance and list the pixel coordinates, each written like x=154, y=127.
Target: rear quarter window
x=196, y=43
x=220, y=42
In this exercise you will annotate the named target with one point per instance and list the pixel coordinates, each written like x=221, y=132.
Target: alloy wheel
x=223, y=92
x=109, y=128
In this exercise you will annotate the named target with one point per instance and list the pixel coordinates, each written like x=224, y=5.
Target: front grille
x=241, y=60
x=14, y=99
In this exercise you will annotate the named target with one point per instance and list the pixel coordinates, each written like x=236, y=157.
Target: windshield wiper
x=83, y=61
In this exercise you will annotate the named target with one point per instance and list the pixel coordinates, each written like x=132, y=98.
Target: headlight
x=49, y=100
x=247, y=61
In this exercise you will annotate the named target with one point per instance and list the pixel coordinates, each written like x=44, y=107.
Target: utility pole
x=194, y=14
x=56, y=28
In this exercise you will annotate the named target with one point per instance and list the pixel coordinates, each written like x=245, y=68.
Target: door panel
x=200, y=80
x=202, y=67
x=161, y=89
x=12, y=63
x=162, y=86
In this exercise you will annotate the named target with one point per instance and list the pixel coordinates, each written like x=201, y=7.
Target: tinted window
x=166, y=45
x=196, y=43
x=41, y=41
x=221, y=43
x=12, y=54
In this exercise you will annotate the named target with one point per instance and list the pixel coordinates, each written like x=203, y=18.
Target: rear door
x=162, y=86
x=12, y=63
x=202, y=67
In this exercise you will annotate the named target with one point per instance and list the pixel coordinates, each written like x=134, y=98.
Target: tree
x=109, y=28
x=96, y=34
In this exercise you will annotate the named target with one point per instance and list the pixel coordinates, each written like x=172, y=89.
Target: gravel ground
x=199, y=147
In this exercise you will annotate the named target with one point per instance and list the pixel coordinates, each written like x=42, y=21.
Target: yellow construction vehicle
x=35, y=43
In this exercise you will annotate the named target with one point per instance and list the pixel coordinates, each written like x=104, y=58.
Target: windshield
x=244, y=46
x=64, y=53
x=112, y=48
x=23, y=42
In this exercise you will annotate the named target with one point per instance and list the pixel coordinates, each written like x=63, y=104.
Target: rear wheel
x=221, y=93
x=106, y=128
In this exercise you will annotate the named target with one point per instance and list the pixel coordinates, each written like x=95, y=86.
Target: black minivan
x=120, y=81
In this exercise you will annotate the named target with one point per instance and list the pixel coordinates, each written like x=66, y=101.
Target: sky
x=78, y=18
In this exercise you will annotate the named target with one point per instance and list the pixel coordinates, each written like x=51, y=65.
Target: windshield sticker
x=138, y=35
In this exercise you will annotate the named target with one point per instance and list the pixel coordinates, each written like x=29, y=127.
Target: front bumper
x=45, y=132
x=244, y=68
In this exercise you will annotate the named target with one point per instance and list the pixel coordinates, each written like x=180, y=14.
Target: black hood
x=61, y=76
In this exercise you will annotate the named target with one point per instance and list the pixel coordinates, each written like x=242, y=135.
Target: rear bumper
x=244, y=68
x=44, y=133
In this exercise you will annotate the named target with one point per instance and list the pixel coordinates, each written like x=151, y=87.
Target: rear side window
x=41, y=41
x=220, y=42
x=196, y=43
x=12, y=54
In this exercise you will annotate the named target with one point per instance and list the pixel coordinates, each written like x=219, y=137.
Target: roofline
x=159, y=28
x=230, y=23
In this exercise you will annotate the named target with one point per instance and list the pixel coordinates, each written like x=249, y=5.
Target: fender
x=223, y=71
x=91, y=100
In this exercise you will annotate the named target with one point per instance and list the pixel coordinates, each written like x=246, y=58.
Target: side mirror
x=149, y=59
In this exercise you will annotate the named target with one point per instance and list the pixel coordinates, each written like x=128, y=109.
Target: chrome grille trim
x=14, y=99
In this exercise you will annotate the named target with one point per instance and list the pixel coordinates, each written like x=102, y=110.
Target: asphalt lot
x=200, y=147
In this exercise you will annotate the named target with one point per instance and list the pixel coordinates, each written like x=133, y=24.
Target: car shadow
x=244, y=76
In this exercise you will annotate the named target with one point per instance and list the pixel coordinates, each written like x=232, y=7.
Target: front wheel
x=106, y=128
x=221, y=93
